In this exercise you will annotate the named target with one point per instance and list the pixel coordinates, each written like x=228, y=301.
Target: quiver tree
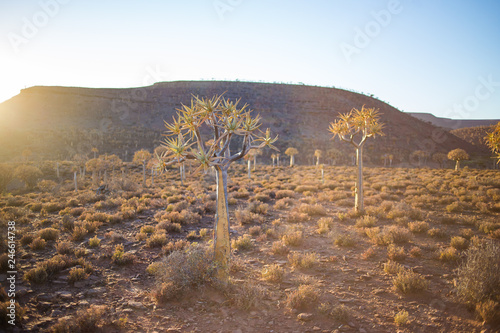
x=291, y=152
x=439, y=158
x=142, y=156
x=225, y=120
x=29, y=174
x=361, y=124
x=420, y=155
x=493, y=141
x=95, y=151
x=317, y=153
x=255, y=153
x=273, y=157
x=458, y=155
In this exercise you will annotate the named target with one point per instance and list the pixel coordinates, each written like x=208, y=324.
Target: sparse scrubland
x=422, y=258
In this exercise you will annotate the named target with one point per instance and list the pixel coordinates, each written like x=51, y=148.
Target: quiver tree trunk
x=144, y=173
x=222, y=246
x=249, y=166
x=76, y=183
x=358, y=199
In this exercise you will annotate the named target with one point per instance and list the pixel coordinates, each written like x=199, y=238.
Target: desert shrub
x=449, y=254
x=401, y=318
x=418, y=227
x=301, y=297
x=242, y=243
x=339, y=312
x=478, y=277
x=366, y=221
x=78, y=234
x=273, y=273
x=324, y=225
x=147, y=229
x=279, y=248
x=407, y=281
x=255, y=230
x=299, y=260
x=293, y=238
x=436, y=233
x=489, y=311
x=182, y=271
x=64, y=247
x=38, y=244
x=397, y=235
x=312, y=210
x=459, y=243
x=178, y=245
x=86, y=321
x=169, y=227
x=36, y=275
x=415, y=252
x=156, y=240
x=94, y=242
x=369, y=253
x=466, y=233
x=76, y=274
x=49, y=234
x=27, y=239
x=284, y=194
x=120, y=257
x=343, y=239
x=396, y=253
x=297, y=217
x=392, y=267
x=245, y=216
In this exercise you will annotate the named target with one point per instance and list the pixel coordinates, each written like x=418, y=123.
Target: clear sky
x=437, y=56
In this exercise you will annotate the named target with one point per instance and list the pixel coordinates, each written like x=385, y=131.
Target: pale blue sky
x=437, y=56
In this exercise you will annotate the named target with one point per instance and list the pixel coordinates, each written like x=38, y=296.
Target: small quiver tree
x=361, y=124
x=317, y=153
x=225, y=120
x=458, y=155
x=141, y=157
x=439, y=158
x=291, y=152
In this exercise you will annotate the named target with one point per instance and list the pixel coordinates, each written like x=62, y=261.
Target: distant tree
x=95, y=151
x=80, y=160
x=317, y=153
x=364, y=123
x=458, y=155
x=141, y=157
x=439, y=158
x=391, y=157
x=6, y=174
x=225, y=119
x=248, y=157
x=273, y=157
x=493, y=141
x=255, y=153
x=334, y=155
x=420, y=155
x=278, y=159
x=95, y=166
x=28, y=174
x=291, y=152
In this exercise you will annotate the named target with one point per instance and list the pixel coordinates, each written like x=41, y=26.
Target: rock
x=173, y=330
x=64, y=295
x=304, y=316
x=136, y=305
x=316, y=329
x=95, y=292
x=56, y=313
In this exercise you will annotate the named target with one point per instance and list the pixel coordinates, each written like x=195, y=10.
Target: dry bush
x=407, y=281
x=64, y=247
x=396, y=253
x=401, y=318
x=279, y=248
x=156, y=240
x=120, y=257
x=284, y=194
x=437, y=233
x=343, y=239
x=297, y=217
x=293, y=238
x=392, y=267
x=299, y=260
x=478, y=277
x=368, y=254
x=273, y=273
x=77, y=274
x=283, y=203
x=178, y=245
x=301, y=297
x=459, y=243
x=418, y=227
x=242, y=243
x=312, y=210
x=38, y=244
x=87, y=320
x=324, y=225
x=182, y=271
x=245, y=216
x=366, y=221
x=169, y=227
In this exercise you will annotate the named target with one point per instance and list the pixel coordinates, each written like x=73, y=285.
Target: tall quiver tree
x=361, y=124
x=142, y=156
x=273, y=157
x=291, y=152
x=225, y=119
x=458, y=155
x=493, y=141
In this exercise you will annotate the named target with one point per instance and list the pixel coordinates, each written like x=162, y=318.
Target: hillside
x=57, y=122
x=474, y=135
x=452, y=124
